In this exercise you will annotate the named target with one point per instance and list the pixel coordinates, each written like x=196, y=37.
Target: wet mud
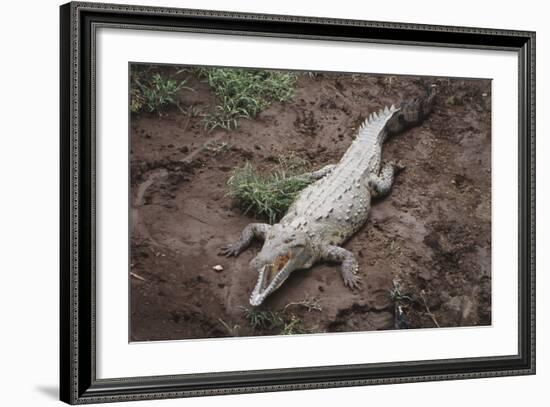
x=424, y=254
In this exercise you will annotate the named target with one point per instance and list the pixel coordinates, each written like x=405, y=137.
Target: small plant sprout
x=231, y=330
x=394, y=248
x=293, y=326
x=218, y=147
x=396, y=293
x=310, y=303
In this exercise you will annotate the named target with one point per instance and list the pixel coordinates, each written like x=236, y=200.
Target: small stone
x=218, y=268
x=426, y=275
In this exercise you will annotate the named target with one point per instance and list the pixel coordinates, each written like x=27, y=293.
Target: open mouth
x=271, y=276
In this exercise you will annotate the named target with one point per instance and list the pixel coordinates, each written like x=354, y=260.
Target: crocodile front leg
x=349, y=265
x=251, y=231
x=320, y=173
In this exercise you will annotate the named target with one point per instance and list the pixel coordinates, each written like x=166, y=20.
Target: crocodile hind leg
x=251, y=231
x=380, y=185
x=349, y=265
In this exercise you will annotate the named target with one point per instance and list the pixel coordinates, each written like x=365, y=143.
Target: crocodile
x=332, y=207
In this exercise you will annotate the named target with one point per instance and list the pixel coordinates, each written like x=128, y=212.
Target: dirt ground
x=430, y=239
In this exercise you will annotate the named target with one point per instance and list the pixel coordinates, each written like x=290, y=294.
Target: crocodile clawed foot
x=230, y=250
x=353, y=282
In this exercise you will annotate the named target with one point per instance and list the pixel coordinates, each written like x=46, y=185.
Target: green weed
x=293, y=326
x=397, y=293
x=232, y=330
x=283, y=322
x=310, y=304
x=266, y=195
x=265, y=320
x=244, y=93
x=154, y=92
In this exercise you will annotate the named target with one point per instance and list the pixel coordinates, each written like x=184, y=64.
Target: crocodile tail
x=411, y=113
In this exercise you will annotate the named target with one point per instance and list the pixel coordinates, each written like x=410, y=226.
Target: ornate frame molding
x=77, y=250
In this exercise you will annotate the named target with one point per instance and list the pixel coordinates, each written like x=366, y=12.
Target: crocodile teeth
x=386, y=110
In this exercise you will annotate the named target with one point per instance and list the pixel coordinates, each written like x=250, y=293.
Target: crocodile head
x=284, y=251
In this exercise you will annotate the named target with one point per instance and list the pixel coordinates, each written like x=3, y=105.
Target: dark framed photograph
x=259, y=203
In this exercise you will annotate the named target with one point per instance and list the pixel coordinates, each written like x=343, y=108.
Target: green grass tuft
x=244, y=93
x=264, y=320
x=284, y=323
x=154, y=92
x=267, y=195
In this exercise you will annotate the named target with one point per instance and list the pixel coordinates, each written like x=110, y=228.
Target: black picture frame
x=78, y=382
